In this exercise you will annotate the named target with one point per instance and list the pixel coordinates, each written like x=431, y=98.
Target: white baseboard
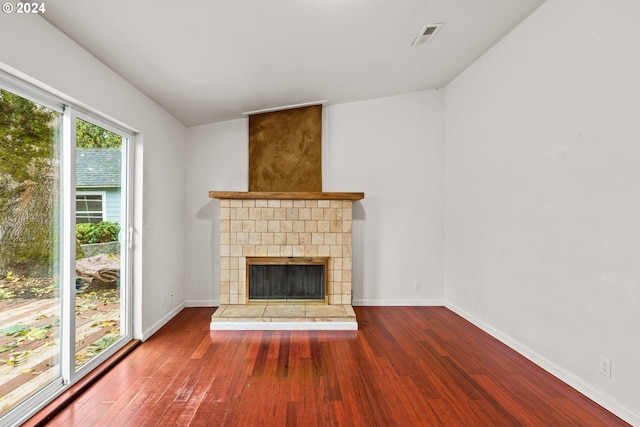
x=398, y=302
x=160, y=323
x=202, y=303
x=569, y=378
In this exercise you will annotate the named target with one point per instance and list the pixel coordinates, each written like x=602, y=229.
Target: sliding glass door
x=30, y=256
x=65, y=287
x=101, y=222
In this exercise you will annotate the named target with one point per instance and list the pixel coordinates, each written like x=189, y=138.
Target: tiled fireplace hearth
x=285, y=225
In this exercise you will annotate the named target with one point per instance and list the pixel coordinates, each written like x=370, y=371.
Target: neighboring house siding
x=113, y=204
x=98, y=170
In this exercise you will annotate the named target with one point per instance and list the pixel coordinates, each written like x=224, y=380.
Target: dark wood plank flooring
x=406, y=366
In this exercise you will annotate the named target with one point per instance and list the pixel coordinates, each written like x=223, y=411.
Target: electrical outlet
x=417, y=286
x=605, y=367
x=171, y=295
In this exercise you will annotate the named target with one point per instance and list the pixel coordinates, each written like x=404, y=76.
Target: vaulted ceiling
x=211, y=60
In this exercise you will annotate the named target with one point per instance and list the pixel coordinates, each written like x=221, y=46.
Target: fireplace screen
x=287, y=279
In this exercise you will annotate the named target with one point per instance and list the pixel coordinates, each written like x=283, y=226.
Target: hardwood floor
x=406, y=366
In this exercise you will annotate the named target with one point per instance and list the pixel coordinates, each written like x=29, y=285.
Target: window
x=69, y=319
x=90, y=207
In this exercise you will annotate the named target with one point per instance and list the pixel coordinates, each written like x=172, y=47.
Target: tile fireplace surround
x=260, y=224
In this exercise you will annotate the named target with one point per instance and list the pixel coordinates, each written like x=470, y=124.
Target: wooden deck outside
x=26, y=367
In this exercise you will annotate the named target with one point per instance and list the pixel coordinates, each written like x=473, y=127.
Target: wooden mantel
x=283, y=195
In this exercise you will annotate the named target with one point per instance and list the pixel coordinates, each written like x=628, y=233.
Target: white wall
x=543, y=194
x=390, y=148
x=216, y=160
x=34, y=47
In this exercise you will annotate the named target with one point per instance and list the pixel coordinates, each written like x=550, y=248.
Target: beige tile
x=289, y=319
x=325, y=311
x=336, y=251
x=304, y=213
x=224, y=287
x=349, y=311
x=317, y=214
x=286, y=203
x=248, y=203
x=346, y=251
x=262, y=226
x=273, y=203
x=285, y=311
x=292, y=213
x=298, y=203
x=279, y=214
x=304, y=238
x=334, y=319
x=235, y=203
x=286, y=250
x=311, y=226
x=267, y=238
x=224, y=263
x=311, y=203
x=255, y=238
x=336, y=275
x=329, y=214
x=266, y=214
x=248, y=311
x=273, y=250
x=298, y=250
x=248, y=226
x=273, y=226
x=298, y=226
x=242, y=213
x=255, y=213
x=324, y=203
x=261, y=203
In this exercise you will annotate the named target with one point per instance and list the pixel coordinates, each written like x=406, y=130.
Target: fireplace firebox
x=287, y=279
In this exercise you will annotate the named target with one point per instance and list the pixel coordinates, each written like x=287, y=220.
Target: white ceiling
x=211, y=60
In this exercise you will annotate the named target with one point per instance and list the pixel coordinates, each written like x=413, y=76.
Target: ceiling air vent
x=426, y=34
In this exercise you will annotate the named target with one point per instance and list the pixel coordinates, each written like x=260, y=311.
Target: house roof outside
x=98, y=167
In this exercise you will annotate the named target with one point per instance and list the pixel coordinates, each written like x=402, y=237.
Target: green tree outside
x=29, y=178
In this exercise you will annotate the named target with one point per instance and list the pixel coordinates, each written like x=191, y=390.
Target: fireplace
x=287, y=279
x=300, y=244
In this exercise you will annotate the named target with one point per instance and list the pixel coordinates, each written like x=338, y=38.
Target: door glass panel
x=29, y=249
x=100, y=262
